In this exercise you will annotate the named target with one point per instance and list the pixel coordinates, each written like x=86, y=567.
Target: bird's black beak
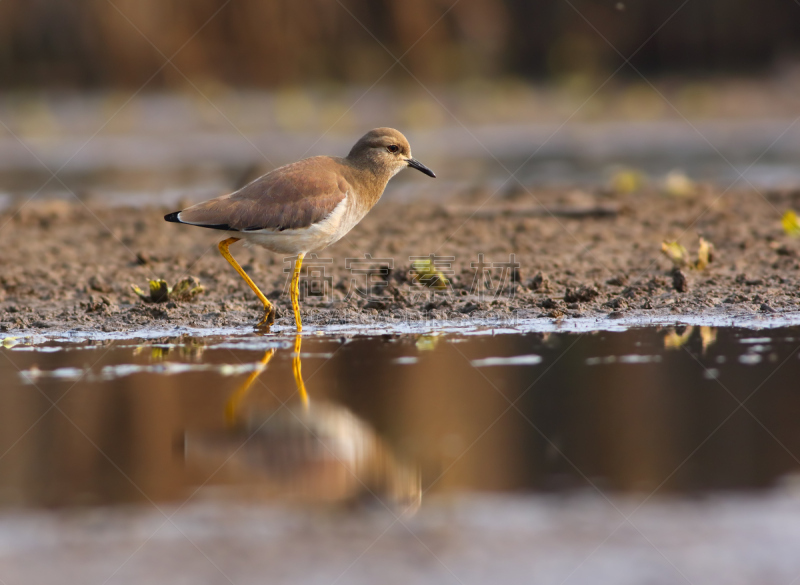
x=415, y=164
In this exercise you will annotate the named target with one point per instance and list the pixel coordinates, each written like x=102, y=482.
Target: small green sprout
x=627, y=181
x=160, y=292
x=680, y=258
x=425, y=273
x=678, y=184
x=791, y=224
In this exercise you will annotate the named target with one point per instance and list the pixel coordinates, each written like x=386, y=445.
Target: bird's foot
x=267, y=320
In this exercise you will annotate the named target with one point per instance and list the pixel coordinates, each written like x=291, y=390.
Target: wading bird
x=304, y=206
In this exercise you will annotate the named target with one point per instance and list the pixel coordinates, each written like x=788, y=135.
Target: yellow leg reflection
x=232, y=406
x=298, y=376
x=236, y=398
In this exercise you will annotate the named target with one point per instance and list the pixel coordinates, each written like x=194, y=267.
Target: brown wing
x=290, y=197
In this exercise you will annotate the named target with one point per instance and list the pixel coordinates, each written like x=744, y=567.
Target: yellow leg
x=269, y=310
x=236, y=398
x=298, y=376
x=295, y=291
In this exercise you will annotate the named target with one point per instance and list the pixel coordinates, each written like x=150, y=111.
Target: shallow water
x=398, y=418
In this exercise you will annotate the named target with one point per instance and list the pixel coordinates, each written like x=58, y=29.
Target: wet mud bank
x=510, y=256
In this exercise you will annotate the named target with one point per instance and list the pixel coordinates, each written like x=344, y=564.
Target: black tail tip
x=173, y=217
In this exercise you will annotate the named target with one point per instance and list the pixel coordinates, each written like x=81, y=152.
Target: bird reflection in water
x=306, y=449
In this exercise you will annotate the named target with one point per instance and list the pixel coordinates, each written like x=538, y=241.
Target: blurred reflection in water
x=304, y=449
x=666, y=411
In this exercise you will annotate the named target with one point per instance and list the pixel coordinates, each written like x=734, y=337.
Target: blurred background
x=268, y=44
x=202, y=95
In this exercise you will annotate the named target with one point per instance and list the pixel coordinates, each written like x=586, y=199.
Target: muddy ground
x=66, y=265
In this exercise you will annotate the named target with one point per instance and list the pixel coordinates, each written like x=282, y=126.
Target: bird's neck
x=368, y=180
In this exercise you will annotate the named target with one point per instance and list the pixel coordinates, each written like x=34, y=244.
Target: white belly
x=341, y=220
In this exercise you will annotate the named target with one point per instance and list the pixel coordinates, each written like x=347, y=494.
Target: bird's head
x=386, y=151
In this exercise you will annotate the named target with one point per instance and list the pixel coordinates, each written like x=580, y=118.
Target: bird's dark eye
x=392, y=148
